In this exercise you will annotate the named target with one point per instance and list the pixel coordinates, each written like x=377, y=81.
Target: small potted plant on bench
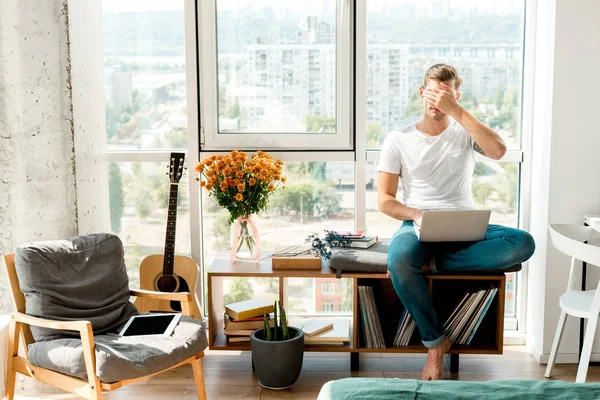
x=277, y=352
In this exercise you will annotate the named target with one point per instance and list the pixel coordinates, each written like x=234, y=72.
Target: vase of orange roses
x=243, y=187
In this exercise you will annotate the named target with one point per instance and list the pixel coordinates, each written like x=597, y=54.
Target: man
x=435, y=159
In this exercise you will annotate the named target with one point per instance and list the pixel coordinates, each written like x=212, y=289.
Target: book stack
x=406, y=327
x=244, y=317
x=324, y=332
x=358, y=239
x=372, y=331
x=464, y=321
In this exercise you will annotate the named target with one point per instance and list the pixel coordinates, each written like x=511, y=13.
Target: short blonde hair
x=443, y=73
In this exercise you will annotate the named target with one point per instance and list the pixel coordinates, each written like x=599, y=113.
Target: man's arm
x=389, y=205
x=486, y=140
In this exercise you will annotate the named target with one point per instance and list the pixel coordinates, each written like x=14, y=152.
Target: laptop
x=453, y=226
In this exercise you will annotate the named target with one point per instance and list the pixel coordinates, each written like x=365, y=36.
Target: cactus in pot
x=277, y=351
x=279, y=330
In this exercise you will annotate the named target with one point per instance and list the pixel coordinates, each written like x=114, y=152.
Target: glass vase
x=245, y=241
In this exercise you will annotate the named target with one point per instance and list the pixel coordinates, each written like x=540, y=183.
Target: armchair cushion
x=83, y=278
x=119, y=358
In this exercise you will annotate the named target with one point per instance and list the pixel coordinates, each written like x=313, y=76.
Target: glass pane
x=322, y=296
x=510, y=305
x=482, y=39
x=240, y=289
x=318, y=196
x=139, y=195
x=144, y=74
x=495, y=187
x=276, y=66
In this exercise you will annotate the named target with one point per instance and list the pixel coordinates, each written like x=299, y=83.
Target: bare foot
x=435, y=361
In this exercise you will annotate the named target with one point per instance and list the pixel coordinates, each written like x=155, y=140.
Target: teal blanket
x=387, y=388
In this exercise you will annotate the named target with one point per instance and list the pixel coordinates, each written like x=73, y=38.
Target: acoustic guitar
x=168, y=272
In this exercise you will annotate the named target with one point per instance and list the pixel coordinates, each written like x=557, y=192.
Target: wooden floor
x=228, y=375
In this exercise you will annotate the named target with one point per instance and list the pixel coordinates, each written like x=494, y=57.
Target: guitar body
x=185, y=274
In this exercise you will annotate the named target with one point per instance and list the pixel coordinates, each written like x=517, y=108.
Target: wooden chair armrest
x=179, y=296
x=79, y=326
x=85, y=331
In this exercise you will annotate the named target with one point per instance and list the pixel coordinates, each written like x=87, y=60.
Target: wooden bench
x=446, y=292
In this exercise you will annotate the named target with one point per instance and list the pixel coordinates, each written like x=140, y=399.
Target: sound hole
x=183, y=287
x=167, y=283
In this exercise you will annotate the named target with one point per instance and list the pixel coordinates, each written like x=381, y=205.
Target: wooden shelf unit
x=446, y=292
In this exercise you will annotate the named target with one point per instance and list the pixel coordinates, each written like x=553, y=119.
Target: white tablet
x=151, y=324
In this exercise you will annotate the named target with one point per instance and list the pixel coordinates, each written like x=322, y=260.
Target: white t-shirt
x=436, y=171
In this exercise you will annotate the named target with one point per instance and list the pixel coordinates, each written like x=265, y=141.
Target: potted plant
x=277, y=352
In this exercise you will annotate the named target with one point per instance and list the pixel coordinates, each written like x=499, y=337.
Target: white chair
x=570, y=239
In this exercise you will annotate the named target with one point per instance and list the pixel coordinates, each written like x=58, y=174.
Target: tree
x=509, y=185
x=499, y=98
x=317, y=170
x=316, y=123
x=414, y=107
x=296, y=198
x=374, y=131
x=481, y=191
x=239, y=290
x=115, y=196
x=177, y=138
x=346, y=304
x=142, y=202
x=221, y=230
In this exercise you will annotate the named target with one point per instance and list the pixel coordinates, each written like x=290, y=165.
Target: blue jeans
x=501, y=248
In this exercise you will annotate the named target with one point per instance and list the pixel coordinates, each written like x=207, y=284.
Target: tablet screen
x=149, y=325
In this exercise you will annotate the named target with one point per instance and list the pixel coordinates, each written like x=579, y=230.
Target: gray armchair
x=71, y=297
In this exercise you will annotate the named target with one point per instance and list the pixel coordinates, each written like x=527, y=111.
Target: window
x=146, y=117
x=144, y=75
x=276, y=74
x=327, y=79
x=485, y=42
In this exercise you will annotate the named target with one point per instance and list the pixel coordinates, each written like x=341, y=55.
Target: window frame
x=212, y=140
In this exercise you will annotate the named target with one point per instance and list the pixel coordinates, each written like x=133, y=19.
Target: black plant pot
x=277, y=364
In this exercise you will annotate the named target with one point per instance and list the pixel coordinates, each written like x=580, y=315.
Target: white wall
x=566, y=139
x=89, y=122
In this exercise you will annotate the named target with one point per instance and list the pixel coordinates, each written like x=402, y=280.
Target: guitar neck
x=171, y=228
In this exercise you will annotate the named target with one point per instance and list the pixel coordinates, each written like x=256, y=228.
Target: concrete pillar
x=53, y=172
x=37, y=168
